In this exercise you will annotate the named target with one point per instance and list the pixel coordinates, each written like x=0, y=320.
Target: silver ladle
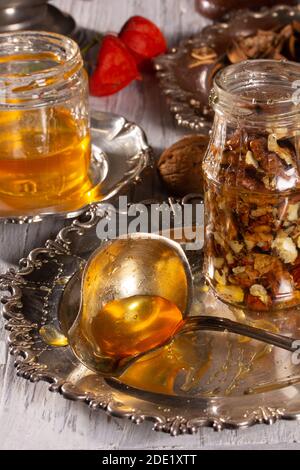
x=149, y=264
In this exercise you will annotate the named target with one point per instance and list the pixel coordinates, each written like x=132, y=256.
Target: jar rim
x=16, y=84
x=70, y=46
x=258, y=87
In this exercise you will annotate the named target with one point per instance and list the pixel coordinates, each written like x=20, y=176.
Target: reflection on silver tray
x=219, y=380
x=29, y=15
x=120, y=152
x=187, y=89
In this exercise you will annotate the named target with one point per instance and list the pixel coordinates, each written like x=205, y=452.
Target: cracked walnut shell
x=180, y=166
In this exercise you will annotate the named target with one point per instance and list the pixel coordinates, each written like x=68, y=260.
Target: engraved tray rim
x=178, y=99
x=180, y=417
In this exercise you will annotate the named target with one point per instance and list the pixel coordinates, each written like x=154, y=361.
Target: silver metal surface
x=143, y=258
x=16, y=15
x=239, y=383
x=181, y=88
x=120, y=152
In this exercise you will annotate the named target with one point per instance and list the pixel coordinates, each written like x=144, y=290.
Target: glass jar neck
x=258, y=92
x=36, y=67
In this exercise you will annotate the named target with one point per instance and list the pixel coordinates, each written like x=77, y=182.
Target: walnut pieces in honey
x=180, y=166
x=252, y=187
x=253, y=222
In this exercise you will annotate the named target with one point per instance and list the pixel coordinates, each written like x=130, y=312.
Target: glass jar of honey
x=44, y=122
x=252, y=179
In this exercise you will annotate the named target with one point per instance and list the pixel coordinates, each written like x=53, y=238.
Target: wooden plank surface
x=30, y=416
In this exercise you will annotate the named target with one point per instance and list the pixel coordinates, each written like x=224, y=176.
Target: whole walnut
x=180, y=166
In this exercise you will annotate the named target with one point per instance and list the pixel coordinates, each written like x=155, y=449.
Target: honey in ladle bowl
x=134, y=297
x=128, y=327
x=45, y=146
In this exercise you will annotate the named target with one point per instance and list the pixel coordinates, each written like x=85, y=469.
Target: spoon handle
x=224, y=324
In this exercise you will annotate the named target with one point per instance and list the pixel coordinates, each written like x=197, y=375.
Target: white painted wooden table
x=30, y=416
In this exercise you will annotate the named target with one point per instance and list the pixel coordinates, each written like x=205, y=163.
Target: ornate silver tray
x=187, y=88
x=204, y=379
x=120, y=152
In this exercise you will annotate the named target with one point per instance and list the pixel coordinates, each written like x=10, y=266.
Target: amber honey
x=53, y=336
x=123, y=327
x=158, y=371
x=40, y=167
x=44, y=130
x=130, y=326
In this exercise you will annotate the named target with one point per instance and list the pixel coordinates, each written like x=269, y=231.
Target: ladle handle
x=224, y=324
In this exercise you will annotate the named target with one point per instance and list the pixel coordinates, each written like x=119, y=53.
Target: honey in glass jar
x=252, y=178
x=44, y=123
